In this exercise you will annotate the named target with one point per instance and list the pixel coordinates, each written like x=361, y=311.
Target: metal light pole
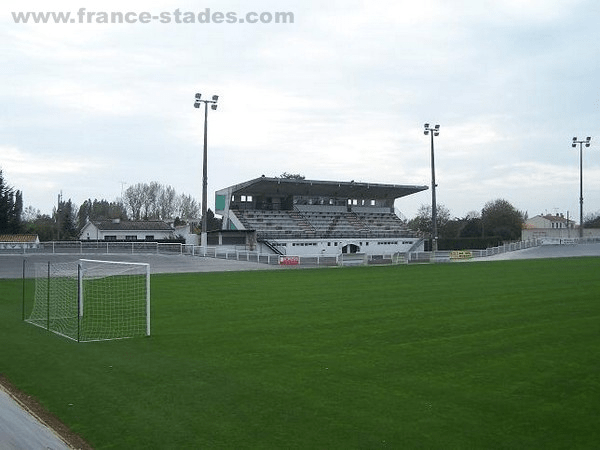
x=587, y=144
x=213, y=106
x=435, y=131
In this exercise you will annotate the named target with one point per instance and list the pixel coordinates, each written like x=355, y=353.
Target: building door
x=350, y=248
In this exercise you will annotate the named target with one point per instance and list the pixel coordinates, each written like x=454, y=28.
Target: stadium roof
x=341, y=189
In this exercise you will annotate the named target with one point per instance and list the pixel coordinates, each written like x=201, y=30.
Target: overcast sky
x=341, y=94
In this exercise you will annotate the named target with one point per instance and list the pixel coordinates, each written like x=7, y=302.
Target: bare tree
x=157, y=201
x=187, y=207
x=152, y=193
x=423, y=221
x=167, y=202
x=133, y=199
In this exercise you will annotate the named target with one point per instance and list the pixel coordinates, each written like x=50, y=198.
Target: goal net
x=90, y=300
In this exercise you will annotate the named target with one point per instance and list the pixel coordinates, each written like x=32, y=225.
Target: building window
x=149, y=237
x=110, y=238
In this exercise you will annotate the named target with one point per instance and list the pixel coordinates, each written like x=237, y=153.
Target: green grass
x=486, y=355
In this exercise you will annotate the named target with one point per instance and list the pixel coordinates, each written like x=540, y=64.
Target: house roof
x=132, y=225
x=557, y=218
x=552, y=218
x=19, y=238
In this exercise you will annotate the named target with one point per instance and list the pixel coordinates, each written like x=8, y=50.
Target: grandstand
x=308, y=217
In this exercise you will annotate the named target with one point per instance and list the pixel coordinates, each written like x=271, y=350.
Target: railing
x=102, y=247
x=447, y=256
x=570, y=241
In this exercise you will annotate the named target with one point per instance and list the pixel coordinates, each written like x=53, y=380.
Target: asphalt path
x=11, y=266
x=547, y=251
x=20, y=430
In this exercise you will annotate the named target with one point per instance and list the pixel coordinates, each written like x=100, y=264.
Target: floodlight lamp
x=215, y=98
x=197, y=105
x=427, y=126
x=426, y=132
x=437, y=133
x=437, y=127
x=588, y=138
x=198, y=96
x=575, y=139
x=213, y=107
x=573, y=145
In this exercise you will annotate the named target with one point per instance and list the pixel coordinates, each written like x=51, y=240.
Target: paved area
x=548, y=251
x=20, y=430
x=11, y=266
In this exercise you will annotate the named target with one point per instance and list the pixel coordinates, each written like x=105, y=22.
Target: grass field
x=469, y=355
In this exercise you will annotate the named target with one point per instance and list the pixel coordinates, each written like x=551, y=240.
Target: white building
x=19, y=241
x=124, y=230
x=549, y=226
x=310, y=217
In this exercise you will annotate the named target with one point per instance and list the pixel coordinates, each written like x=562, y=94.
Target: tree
x=144, y=201
x=151, y=195
x=42, y=225
x=500, y=218
x=472, y=227
x=133, y=199
x=187, y=207
x=30, y=214
x=292, y=176
x=166, y=202
x=65, y=219
x=592, y=220
x=11, y=208
x=99, y=210
x=212, y=223
x=423, y=221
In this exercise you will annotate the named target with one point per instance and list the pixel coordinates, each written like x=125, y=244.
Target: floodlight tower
x=213, y=106
x=587, y=144
x=435, y=131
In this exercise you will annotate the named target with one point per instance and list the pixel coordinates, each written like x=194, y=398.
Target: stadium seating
x=322, y=224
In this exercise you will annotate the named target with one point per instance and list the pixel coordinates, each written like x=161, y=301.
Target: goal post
x=91, y=300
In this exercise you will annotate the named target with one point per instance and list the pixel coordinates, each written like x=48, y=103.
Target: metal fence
x=242, y=254
x=93, y=247
x=456, y=255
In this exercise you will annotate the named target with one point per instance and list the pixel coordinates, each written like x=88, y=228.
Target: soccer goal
x=90, y=300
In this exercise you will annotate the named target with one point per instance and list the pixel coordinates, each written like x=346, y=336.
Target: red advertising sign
x=289, y=260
